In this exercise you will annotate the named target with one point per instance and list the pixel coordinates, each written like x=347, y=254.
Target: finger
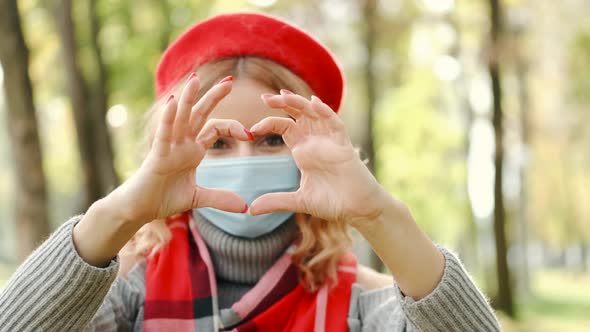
x=285, y=92
x=276, y=101
x=185, y=104
x=276, y=202
x=273, y=124
x=216, y=128
x=300, y=103
x=201, y=111
x=163, y=137
x=220, y=199
x=332, y=120
x=320, y=108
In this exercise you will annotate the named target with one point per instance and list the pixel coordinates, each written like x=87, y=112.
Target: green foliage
x=420, y=158
x=6, y=271
x=579, y=63
x=559, y=202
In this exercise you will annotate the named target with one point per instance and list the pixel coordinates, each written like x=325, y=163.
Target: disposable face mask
x=250, y=178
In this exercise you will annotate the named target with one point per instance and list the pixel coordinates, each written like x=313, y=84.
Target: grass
x=561, y=302
x=5, y=273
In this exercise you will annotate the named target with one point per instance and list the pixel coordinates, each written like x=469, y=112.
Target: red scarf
x=181, y=292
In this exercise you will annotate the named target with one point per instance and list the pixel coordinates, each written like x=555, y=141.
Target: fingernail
x=245, y=209
x=314, y=98
x=169, y=99
x=250, y=136
x=193, y=75
x=227, y=79
x=286, y=92
x=266, y=95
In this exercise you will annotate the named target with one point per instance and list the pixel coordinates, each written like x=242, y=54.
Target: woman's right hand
x=165, y=183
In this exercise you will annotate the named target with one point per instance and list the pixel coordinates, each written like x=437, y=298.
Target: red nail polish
x=227, y=79
x=250, y=136
x=286, y=92
x=245, y=208
x=193, y=75
x=169, y=99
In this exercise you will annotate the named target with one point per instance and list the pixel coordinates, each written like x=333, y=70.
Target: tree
x=370, y=38
x=32, y=224
x=88, y=107
x=504, y=297
x=522, y=73
x=99, y=103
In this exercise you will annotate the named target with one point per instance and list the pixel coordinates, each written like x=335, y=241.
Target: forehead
x=243, y=103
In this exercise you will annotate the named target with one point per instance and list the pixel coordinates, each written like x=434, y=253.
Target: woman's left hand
x=335, y=183
x=337, y=186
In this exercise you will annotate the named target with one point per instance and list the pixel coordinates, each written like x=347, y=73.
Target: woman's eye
x=219, y=144
x=273, y=140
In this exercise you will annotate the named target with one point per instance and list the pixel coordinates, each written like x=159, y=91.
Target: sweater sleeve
x=456, y=304
x=122, y=309
x=55, y=289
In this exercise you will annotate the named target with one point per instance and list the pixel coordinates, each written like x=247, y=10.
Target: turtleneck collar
x=243, y=260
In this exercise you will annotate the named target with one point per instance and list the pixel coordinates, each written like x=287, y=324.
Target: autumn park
x=474, y=113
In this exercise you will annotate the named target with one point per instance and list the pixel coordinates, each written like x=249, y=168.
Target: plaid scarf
x=181, y=292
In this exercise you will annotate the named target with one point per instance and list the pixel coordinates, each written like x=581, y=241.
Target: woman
x=245, y=197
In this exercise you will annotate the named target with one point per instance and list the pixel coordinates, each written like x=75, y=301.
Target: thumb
x=220, y=199
x=276, y=202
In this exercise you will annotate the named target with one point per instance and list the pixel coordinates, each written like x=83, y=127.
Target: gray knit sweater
x=55, y=290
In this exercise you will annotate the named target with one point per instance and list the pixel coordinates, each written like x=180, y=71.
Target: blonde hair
x=321, y=243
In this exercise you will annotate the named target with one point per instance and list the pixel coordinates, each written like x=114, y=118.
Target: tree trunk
x=522, y=231
x=89, y=110
x=166, y=31
x=99, y=98
x=504, y=297
x=32, y=222
x=370, y=38
x=468, y=242
x=584, y=257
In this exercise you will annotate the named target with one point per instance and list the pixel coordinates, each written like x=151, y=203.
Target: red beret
x=250, y=34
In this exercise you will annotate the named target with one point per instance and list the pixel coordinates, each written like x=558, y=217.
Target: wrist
x=102, y=232
x=413, y=259
x=117, y=208
x=386, y=209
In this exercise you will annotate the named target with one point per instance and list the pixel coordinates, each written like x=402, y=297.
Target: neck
x=243, y=260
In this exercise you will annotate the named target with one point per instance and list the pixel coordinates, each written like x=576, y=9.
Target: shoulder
x=376, y=302
x=370, y=279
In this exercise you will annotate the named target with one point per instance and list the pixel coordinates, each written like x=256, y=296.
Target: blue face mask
x=250, y=178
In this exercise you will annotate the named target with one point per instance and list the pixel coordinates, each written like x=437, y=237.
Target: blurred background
x=473, y=112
